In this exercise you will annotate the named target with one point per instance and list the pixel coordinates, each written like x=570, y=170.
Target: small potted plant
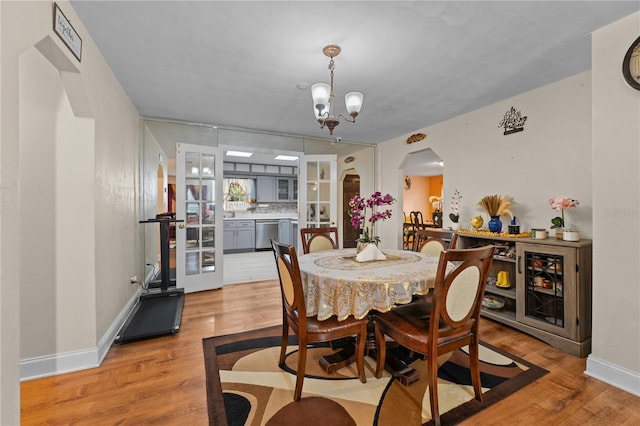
x=364, y=215
x=560, y=203
x=455, y=210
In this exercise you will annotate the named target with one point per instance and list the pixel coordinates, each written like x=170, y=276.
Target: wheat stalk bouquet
x=497, y=205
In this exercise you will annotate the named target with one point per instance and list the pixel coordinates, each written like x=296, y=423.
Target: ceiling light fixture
x=286, y=157
x=323, y=98
x=239, y=154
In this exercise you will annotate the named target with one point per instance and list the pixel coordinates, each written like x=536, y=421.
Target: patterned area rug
x=245, y=384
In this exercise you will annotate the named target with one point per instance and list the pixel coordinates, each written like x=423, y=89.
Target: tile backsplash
x=277, y=208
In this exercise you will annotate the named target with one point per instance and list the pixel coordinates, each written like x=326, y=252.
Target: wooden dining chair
x=317, y=239
x=433, y=242
x=417, y=219
x=448, y=323
x=310, y=329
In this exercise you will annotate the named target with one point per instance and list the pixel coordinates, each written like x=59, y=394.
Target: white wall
x=91, y=227
x=552, y=156
x=615, y=356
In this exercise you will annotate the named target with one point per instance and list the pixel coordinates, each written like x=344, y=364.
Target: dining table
x=335, y=283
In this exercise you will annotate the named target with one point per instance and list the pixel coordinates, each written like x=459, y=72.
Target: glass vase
x=495, y=225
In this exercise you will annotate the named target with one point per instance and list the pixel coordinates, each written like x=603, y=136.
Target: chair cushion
x=318, y=330
x=409, y=325
x=287, y=281
x=320, y=242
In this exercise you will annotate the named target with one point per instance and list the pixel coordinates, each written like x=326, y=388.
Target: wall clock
x=631, y=65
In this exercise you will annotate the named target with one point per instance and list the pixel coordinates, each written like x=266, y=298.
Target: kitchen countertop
x=262, y=216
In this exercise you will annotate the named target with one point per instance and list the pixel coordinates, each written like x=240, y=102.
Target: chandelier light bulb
x=353, y=102
x=320, y=92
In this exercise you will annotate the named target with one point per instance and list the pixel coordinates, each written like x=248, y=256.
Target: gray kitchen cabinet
x=285, y=232
x=239, y=235
x=287, y=189
x=266, y=189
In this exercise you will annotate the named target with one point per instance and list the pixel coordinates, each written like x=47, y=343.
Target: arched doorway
x=423, y=174
x=350, y=188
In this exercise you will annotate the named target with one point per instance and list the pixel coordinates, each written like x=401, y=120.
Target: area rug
x=246, y=386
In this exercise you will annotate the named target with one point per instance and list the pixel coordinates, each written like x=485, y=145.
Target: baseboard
x=50, y=365
x=622, y=378
x=61, y=363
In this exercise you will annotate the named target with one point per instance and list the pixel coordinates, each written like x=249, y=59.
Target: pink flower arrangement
x=358, y=211
x=560, y=203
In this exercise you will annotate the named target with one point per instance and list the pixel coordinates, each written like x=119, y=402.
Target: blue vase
x=495, y=225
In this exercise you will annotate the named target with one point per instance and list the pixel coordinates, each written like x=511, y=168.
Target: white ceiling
x=238, y=63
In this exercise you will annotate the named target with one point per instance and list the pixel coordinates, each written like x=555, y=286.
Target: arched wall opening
x=57, y=223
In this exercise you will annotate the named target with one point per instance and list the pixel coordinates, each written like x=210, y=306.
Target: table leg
x=398, y=369
x=342, y=358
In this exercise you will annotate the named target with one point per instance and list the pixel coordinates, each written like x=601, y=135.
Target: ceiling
x=238, y=63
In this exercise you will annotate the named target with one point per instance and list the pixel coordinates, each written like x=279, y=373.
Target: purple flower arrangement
x=365, y=212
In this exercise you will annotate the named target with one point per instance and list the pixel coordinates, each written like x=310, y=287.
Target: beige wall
x=552, y=156
x=89, y=232
x=56, y=218
x=615, y=356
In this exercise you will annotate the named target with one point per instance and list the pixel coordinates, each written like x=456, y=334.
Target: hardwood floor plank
x=161, y=381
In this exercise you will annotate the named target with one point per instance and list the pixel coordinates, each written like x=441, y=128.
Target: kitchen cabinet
x=266, y=189
x=287, y=189
x=239, y=235
x=545, y=286
x=272, y=188
x=284, y=232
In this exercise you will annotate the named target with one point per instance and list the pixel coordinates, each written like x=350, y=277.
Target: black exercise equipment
x=157, y=313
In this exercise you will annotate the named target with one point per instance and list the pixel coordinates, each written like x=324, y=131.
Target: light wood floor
x=161, y=381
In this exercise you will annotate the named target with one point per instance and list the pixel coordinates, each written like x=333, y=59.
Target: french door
x=199, y=237
x=318, y=200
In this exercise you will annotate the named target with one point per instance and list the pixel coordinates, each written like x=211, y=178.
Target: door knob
x=181, y=226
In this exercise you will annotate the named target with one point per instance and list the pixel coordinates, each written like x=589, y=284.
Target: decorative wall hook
x=512, y=122
x=407, y=183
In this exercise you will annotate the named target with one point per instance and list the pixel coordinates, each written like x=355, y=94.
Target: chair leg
x=474, y=368
x=361, y=338
x=432, y=382
x=381, y=351
x=302, y=364
x=284, y=343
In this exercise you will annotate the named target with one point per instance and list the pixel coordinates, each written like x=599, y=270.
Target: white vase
x=455, y=226
x=570, y=234
x=360, y=246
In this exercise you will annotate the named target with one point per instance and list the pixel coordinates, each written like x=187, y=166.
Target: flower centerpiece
x=455, y=210
x=364, y=215
x=560, y=203
x=496, y=206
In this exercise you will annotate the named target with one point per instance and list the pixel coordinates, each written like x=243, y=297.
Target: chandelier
x=323, y=98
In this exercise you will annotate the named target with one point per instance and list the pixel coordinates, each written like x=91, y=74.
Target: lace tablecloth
x=335, y=284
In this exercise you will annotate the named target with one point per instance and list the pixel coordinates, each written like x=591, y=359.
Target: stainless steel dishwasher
x=266, y=230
